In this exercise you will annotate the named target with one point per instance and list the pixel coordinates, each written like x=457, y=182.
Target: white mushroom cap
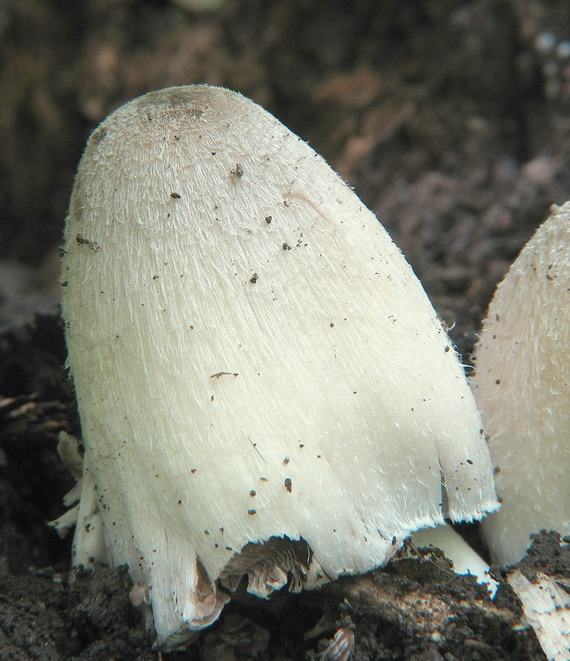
x=254, y=360
x=522, y=387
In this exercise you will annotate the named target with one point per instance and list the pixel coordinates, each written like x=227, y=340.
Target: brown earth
x=450, y=118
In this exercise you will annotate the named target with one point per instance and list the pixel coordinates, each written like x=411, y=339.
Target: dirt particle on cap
x=99, y=134
x=82, y=241
x=237, y=171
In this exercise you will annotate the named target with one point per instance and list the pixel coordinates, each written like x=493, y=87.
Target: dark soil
x=452, y=121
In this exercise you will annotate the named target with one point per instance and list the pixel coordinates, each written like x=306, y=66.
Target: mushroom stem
x=465, y=559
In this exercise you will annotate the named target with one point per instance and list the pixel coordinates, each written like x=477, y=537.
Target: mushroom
x=522, y=388
x=264, y=388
